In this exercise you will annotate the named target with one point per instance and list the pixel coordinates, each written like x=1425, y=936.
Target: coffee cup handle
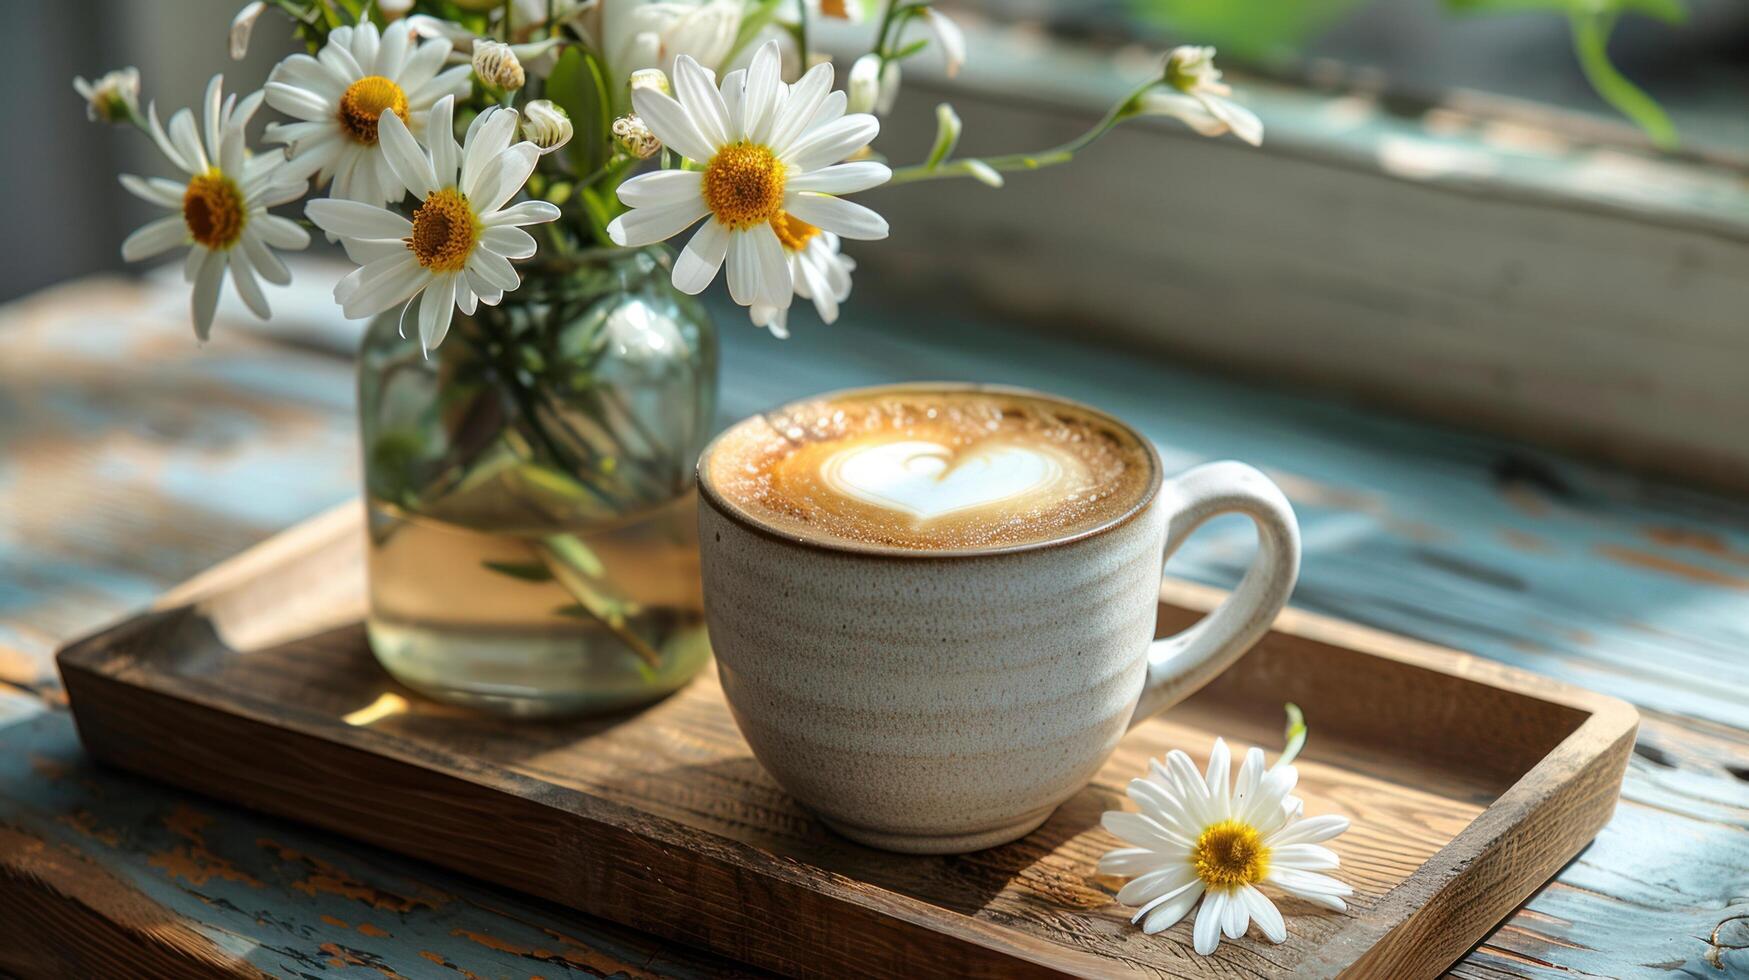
x=1182, y=663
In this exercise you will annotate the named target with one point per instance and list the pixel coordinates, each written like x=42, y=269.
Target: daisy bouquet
x=440, y=131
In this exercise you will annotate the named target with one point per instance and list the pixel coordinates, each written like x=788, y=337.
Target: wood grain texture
x=1612, y=582
x=1468, y=784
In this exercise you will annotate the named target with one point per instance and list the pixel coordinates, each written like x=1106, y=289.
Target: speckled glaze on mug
x=939, y=702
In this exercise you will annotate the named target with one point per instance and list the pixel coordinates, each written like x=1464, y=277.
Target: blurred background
x=1512, y=54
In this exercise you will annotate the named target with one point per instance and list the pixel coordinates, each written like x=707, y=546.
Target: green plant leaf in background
x=1259, y=31
x=1591, y=43
x=1592, y=22
x=576, y=85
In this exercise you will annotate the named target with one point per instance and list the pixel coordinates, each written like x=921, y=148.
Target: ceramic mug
x=936, y=702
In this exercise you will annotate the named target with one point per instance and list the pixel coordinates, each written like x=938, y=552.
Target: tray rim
x=1596, y=743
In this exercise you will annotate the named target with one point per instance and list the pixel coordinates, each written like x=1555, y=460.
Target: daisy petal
x=356, y=220
x=1138, y=829
x=1235, y=917
x=1303, y=884
x=1220, y=793
x=525, y=213
x=243, y=278
x=208, y=276
x=155, y=190
x=743, y=272
x=187, y=140
x=407, y=160
x=696, y=91
x=1207, y=934
x=155, y=238
x=297, y=102
x=669, y=123
x=798, y=109
x=829, y=143
x=1311, y=830
x=1126, y=861
x=512, y=243
x=843, y=178
x=1265, y=914
x=446, y=156
x=1146, y=888
x=776, y=282
x=262, y=258
x=1303, y=857
x=305, y=72
x=286, y=233
x=647, y=226
x=759, y=101
x=436, y=310
x=702, y=257
x=1169, y=912
x=1245, y=784
x=659, y=188
x=494, y=269
x=834, y=214
x=814, y=284
x=387, y=282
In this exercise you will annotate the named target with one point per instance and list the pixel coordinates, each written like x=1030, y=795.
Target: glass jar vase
x=532, y=510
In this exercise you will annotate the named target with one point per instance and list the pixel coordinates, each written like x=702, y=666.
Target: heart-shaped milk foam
x=928, y=480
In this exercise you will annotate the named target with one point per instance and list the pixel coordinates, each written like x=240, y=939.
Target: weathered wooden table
x=131, y=459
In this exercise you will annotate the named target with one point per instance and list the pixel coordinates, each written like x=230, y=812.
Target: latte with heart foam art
x=922, y=468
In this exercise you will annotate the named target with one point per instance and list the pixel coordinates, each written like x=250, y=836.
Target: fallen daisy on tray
x=1198, y=838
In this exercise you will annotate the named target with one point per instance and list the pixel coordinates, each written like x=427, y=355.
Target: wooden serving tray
x=1469, y=785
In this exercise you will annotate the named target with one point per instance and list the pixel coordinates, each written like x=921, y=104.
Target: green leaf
x=577, y=86
x=1668, y=11
x=1251, y=30
x=1591, y=43
x=532, y=571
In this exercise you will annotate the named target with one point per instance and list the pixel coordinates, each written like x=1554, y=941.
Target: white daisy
x=1200, y=98
x=458, y=247
x=340, y=94
x=821, y=273
x=221, y=210
x=115, y=97
x=1197, y=839
x=763, y=150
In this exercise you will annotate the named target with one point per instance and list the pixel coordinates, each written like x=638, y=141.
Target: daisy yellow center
x=793, y=232
x=743, y=185
x=1229, y=854
x=212, y=207
x=444, y=231
x=365, y=102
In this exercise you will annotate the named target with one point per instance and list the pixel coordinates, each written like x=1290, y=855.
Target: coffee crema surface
x=930, y=470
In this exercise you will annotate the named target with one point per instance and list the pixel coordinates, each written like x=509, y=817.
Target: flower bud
x=864, y=85
x=113, y=98
x=947, y=135
x=889, y=89
x=497, y=65
x=635, y=138
x=545, y=125
x=653, y=79
x=983, y=173
x=394, y=9
x=1191, y=69
x=242, y=26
